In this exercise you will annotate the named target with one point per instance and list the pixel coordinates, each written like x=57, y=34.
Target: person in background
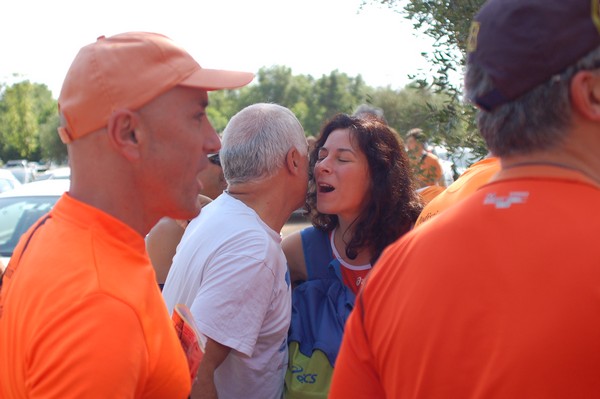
x=426, y=167
x=361, y=198
x=163, y=238
x=229, y=268
x=311, y=140
x=80, y=314
x=212, y=178
x=497, y=297
x=370, y=111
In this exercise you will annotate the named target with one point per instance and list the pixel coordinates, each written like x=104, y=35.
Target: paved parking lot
x=294, y=225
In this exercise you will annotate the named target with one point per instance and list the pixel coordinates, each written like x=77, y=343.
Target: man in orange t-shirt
x=509, y=309
x=80, y=313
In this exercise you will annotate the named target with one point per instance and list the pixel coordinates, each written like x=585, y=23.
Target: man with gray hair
x=510, y=307
x=229, y=267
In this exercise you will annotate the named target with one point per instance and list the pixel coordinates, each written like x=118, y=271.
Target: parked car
x=8, y=181
x=21, y=163
x=63, y=172
x=38, y=167
x=21, y=170
x=23, y=206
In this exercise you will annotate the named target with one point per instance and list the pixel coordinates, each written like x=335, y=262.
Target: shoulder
x=164, y=235
x=292, y=248
x=166, y=227
x=203, y=200
x=294, y=254
x=432, y=158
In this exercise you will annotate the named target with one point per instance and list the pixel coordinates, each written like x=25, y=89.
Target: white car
x=8, y=181
x=23, y=206
x=63, y=172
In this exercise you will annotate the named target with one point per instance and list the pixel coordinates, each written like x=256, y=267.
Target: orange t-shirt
x=474, y=177
x=427, y=170
x=429, y=193
x=353, y=276
x=509, y=311
x=81, y=315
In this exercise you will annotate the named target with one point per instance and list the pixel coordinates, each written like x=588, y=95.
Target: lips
x=325, y=188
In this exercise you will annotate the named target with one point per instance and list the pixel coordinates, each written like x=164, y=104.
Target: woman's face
x=342, y=176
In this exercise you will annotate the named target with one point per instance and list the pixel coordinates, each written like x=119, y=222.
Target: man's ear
x=122, y=133
x=585, y=94
x=293, y=160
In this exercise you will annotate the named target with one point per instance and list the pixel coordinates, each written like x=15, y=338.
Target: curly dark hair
x=393, y=206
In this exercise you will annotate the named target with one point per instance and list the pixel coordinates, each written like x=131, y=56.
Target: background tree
x=28, y=114
x=316, y=100
x=24, y=108
x=312, y=100
x=53, y=149
x=448, y=23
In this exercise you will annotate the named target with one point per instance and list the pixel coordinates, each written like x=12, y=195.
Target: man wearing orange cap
x=80, y=313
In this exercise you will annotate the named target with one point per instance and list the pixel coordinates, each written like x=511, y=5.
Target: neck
x=343, y=235
x=266, y=199
x=118, y=201
x=111, y=189
x=345, y=227
x=574, y=154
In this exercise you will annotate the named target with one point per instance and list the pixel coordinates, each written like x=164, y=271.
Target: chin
x=326, y=210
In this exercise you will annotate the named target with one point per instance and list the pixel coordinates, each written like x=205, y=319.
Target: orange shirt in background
x=474, y=177
x=429, y=193
x=427, y=170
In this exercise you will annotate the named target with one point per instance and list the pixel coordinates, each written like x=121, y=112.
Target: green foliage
x=312, y=100
x=316, y=100
x=29, y=119
x=448, y=23
x=53, y=149
x=433, y=102
x=25, y=110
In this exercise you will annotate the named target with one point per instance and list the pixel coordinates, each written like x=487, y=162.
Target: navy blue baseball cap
x=523, y=43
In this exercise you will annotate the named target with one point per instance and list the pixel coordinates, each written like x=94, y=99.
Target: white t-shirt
x=229, y=269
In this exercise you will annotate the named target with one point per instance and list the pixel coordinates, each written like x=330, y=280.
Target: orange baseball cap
x=129, y=70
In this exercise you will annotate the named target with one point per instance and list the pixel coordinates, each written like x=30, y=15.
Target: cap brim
x=216, y=79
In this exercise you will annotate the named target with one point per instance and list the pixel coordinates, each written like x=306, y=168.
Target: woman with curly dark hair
x=361, y=198
x=361, y=195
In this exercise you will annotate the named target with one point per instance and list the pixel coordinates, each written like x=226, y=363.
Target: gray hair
x=538, y=120
x=256, y=141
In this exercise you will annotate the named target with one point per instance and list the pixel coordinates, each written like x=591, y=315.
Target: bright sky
x=40, y=38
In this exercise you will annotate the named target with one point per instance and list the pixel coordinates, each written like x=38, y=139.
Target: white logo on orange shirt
x=518, y=197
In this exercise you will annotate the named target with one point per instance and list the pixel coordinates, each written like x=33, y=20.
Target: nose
x=212, y=142
x=323, y=166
